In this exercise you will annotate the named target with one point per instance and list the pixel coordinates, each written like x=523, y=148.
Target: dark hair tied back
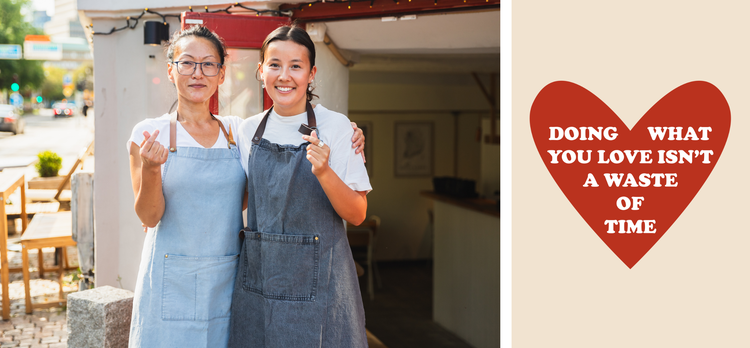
x=297, y=35
x=197, y=31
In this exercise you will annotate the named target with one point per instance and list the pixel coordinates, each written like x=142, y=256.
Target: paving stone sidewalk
x=44, y=328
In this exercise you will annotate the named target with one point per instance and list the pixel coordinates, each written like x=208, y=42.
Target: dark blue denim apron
x=189, y=261
x=296, y=283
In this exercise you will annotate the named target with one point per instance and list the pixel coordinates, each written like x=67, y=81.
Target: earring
x=309, y=86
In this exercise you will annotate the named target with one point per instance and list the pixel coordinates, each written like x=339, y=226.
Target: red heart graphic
x=658, y=176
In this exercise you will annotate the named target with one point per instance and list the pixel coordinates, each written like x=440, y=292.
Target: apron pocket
x=198, y=288
x=281, y=266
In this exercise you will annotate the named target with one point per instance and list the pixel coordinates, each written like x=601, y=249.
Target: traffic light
x=14, y=87
x=39, y=99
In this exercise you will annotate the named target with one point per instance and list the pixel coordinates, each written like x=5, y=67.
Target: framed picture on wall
x=366, y=127
x=413, y=149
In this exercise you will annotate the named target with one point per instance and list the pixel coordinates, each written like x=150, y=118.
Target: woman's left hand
x=358, y=141
x=317, y=153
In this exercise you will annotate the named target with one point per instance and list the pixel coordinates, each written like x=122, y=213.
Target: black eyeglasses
x=187, y=67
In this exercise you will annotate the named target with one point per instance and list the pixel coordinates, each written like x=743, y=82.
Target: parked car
x=11, y=119
x=63, y=109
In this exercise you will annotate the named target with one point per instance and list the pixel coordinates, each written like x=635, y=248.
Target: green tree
x=83, y=76
x=13, y=30
x=52, y=86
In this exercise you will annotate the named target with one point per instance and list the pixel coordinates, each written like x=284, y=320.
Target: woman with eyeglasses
x=190, y=195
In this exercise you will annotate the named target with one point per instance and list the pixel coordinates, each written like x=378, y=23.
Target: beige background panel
x=692, y=289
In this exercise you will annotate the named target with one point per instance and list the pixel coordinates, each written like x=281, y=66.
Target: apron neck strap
x=228, y=136
x=173, y=132
x=305, y=129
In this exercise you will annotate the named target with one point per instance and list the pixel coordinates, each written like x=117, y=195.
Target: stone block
x=99, y=318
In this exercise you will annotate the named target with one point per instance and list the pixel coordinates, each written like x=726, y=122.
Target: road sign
x=68, y=91
x=42, y=50
x=16, y=100
x=67, y=80
x=10, y=52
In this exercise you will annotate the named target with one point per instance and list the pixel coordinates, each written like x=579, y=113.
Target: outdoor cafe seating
x=48, y=228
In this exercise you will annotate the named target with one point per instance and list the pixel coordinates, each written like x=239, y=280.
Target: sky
x=48, y=5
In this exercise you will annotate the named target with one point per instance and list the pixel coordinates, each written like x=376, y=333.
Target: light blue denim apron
x=296, y=283
x=189, y=261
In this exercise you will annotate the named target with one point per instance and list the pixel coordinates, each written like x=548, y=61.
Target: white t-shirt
x=183, y=137
x=335, y=131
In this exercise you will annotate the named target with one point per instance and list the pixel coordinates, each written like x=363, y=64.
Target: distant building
x=65, y=28
x=65, y=22
x=40, y=18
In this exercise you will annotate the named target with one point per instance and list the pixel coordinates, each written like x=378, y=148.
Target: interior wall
x=489, y=178
x=384, y=98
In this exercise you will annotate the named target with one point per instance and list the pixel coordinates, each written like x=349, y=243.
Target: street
x=64, y=136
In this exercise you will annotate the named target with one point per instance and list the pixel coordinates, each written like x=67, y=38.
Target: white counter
x=466, y=289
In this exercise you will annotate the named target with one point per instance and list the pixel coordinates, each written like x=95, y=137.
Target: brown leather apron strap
x=173, y=132
x=261, y=127
x=305, y=129
x=311, y=125
x=229, y=137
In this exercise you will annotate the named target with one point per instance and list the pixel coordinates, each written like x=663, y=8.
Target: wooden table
x=9, y=183
x=45, y=231
x=17, y=162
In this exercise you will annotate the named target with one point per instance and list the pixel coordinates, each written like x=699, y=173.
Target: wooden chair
x=46, y=231
x=9, y=183
x=13, y=212
x=374, y=342
x=365, y=235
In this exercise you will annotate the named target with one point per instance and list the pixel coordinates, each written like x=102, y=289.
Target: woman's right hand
x=152, y=153
x=145, y=175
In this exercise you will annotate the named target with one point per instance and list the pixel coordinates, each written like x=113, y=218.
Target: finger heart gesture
x=152, y=152
x=317, y=153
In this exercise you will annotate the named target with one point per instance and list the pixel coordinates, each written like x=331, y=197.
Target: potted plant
x=47, y=167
